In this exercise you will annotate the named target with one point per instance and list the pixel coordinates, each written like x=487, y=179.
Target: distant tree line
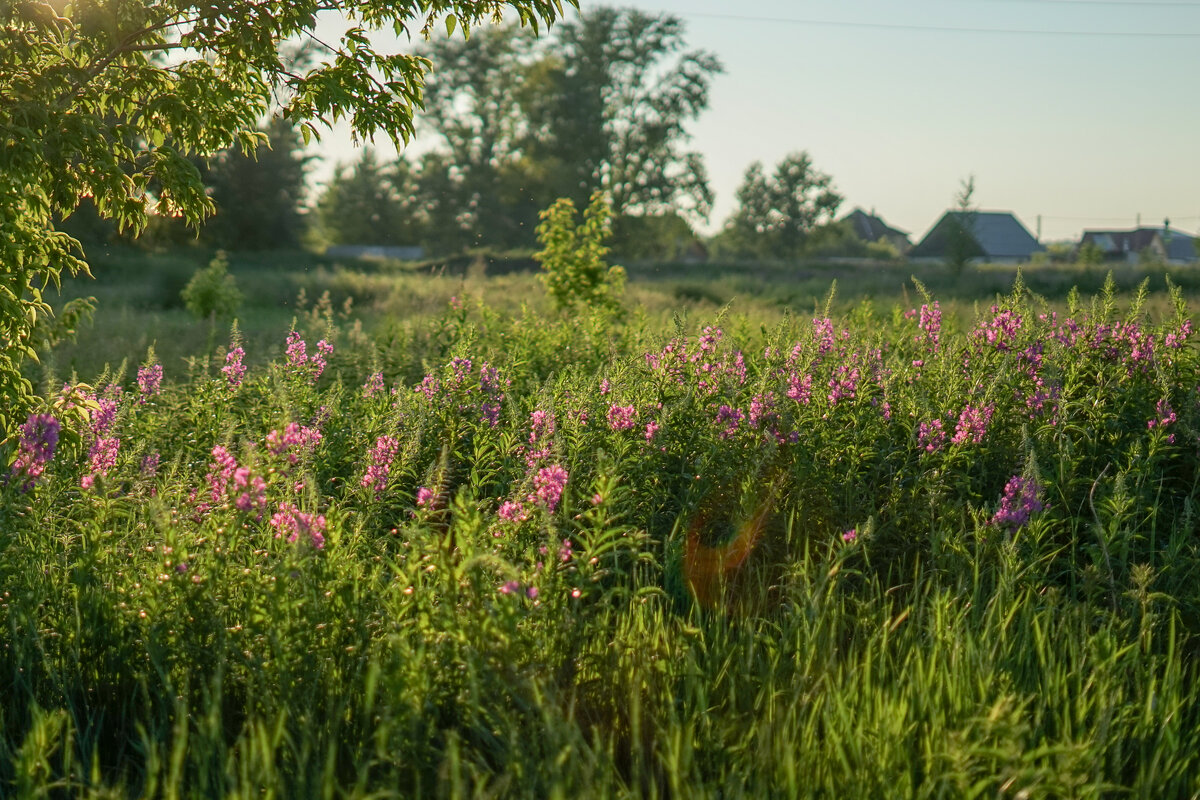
x=602, y=104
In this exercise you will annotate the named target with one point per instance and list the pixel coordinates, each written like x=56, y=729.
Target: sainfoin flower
x=1022, y=498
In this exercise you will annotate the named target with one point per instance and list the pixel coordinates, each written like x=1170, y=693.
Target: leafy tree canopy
x=776, y=215
x=108, y=99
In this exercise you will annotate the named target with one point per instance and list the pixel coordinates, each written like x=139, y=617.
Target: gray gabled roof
x=998, y=233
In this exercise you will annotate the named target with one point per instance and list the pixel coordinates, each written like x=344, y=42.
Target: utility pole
x=1039, y=236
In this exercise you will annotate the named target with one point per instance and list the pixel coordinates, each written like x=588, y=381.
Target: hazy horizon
x=1074, y=110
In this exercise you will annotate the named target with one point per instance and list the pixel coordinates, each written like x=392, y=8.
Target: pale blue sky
x=1087, y=131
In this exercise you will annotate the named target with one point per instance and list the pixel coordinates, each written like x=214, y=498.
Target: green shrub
x=573, y=254
x=212, y=292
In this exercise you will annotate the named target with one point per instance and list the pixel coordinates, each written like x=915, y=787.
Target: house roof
x=1179, y=247
x=999, y=234
x=869, y=227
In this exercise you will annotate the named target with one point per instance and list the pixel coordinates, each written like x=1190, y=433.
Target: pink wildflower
x=1021, y=500
x=374, y=385
x=149, y=379
x=972, y=425
x=233, y=369
x=620, y=418
x=548, y=484
x=931, y=435
x=382, y=456
x=39, y=440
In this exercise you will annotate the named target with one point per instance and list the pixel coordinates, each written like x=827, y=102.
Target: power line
x=887, y=26
x=1125, y=3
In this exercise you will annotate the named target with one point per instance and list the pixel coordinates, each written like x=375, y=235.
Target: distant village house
x=1160, y=244
x=870, y=228
x=995, y=236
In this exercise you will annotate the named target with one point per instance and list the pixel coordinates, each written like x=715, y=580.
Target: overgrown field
x=844, y=554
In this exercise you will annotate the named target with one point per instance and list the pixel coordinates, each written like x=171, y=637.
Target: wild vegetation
x=535, y=555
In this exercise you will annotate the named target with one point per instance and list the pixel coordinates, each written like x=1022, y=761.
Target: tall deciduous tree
x=472, y=104
x=104, y=97
x=608, y=109
x=775, y=216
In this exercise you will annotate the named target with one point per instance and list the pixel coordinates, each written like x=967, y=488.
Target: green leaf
x=451, y=24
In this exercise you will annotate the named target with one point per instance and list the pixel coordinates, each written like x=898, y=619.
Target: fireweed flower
x=513, y=511
x=822, y=335
x=620, y=418
x=1022, y=498
x=972, y=425
x=294, y=441
x=233, y=369
x=220, y=472
x=931, y=436
x=374, y=385
x=930, y=325
x=39, y=440
x=800, y=388
x=844, y=385
x=850, y=535
x=651, y=430
x=297, y=351
x=149, y=379
x=548, y=485
x=292, y=523
x=382, y=456
x=1164, y=415
x=424, y=496
x=762, y=409
x=149, y=466
x=541, y=426
x=252, y=490
x=460, y=370
x=1177, y=339
x=731, y=418
x=431, y=387
x=1000, y=332
x=605, y=387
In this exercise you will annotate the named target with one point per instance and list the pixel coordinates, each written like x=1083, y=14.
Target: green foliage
x=159, y=639
x=572, y=256
x=212, y=292
x=1090, y=254
x=259, y=194
x=607, y=108
x=961, y=244
x=368, y=203
x=656, y=237
x=776, y=216
x=94, y=108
